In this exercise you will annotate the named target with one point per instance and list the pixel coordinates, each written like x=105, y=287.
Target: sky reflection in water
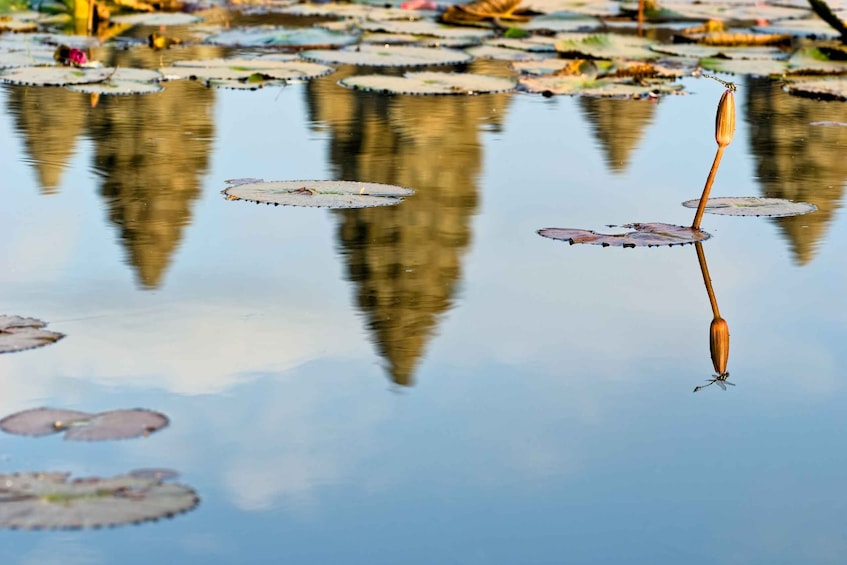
x=551, y=417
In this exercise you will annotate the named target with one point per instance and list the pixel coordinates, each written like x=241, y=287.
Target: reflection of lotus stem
x=708, y=188
x=704, y=269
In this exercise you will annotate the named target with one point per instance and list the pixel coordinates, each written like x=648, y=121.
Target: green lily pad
x=388, y=56
x=317, y=193
x=35, y=501
x=752, y=67
x=559, y=22
x=430, y=83
x=603, y=87
x=753, y=206
x=533, y=44
x=383, y=39
x=20, y=334
x=697, y=51
x=605, y=46
x=504, y=53
x=235, y=69
x=427, y=27
x=124, y=81
x=801, y=27
x=596, y=8
x=812, y=60
x=641, y=235
x=276, y=36
x=54, y=76
x=157, y=19
x=82, y=426
x=348, y=11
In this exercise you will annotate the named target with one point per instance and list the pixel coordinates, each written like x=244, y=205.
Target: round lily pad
x=753, y=206
x=354, y=11
x=429, y=83
x=504, y=53
x=606, y=46
x=318, y=193
x=235, y=69
x=827, y=88
x=33, y=501
x=428, y=27
x=20, y=334
x=275, y=36
x=40, y=421
x=697, y=51
x=54, y=76
x=753, y=67
x=157, y=19
x=124, y=80
x=26, y=58
x=82, y=426
x=642, y=235
x=605, y=87
x=388, y=56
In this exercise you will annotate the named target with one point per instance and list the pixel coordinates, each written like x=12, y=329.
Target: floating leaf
x=426, y=27
x=504, y=53
x=235, y=69
x=20, y=334
x=812, y=60
x=478, y=11
x=124, y=81
x=604, y=87
x=642, y=235
x=753, y=206
x=558, y=22
x=701, y=51
x=27, y=58
x=388, y=56
x=347, y=10
x=32, y=501
x=54, y=76
x=156, y=19
x=318, y=193
x=752, y=67
x=429, y=83
x=804, y=27
x=826, y=88
x=605, y=46
x=82, y=426
x=275, y=36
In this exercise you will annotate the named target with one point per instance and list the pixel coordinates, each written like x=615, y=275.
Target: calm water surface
x=433, y=382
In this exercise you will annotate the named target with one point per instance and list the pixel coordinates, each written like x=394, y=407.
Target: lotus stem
x=704, y=270
x=708, y=188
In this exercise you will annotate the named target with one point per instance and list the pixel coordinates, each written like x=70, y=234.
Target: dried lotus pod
x=725, y=119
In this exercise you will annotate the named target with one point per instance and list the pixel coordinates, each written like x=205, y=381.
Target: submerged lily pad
x=642, y=235
x=275, y=36
x=20, y=334
x=753, y=206
x=235, y=69
x=430, y=83
x=318, y=193
x=388, y=56
x=33, y=501
x=82, y=426
x=54, y=76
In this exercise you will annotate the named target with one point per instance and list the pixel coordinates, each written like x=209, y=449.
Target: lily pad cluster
x=19, y=334
x=82, y=426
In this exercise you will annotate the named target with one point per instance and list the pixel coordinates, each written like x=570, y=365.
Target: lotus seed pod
x=725, y=119
x=719, y=344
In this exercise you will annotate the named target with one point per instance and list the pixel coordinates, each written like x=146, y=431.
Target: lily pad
x=54, y=76
x=605, y=46
x=275, y=36
x=504, y=53
x=752, y=67
x=388, y=56
x=812, y=60
x=604, y=87
x=696, y=51
x=82, y=426
x=157, y=19
x=124, y=81
x=753, y=206
x=33, y=501
x=318, y=193
x=824, y=88
x=430, y=83
x=20, y=334
x=642, y=235
x=427, y=27
x=235, y=69
x=348, y=11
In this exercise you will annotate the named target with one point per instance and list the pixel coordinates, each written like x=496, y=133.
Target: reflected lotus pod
x=20, y=334
x=753, y=206
x=54, y=76
x=430, y=83
x=388, y=56
x=719, y=344
x=642, y=235
x=82, y=426
x=319, y=193
x=32, y=501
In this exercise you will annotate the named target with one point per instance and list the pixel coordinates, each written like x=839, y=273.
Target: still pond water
x=433, y=382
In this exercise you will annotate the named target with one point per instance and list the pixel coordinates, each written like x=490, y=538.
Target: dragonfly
x=720, y=380
x=728, y=85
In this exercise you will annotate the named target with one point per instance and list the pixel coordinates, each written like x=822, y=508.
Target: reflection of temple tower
x=151, y=152
x=797, y=161
x=618, y=126
x=406, y=259
x=49, y=121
